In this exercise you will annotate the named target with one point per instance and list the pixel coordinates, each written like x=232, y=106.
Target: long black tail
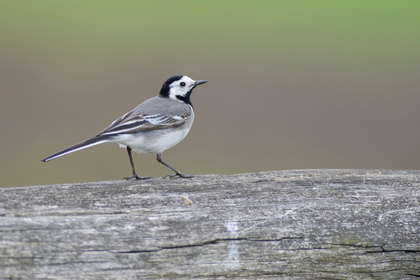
x=79, y=146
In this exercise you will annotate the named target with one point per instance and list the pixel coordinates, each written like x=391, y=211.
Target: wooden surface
x=299, y=224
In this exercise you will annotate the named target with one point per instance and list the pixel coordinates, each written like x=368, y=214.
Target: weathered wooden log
x=300, y=224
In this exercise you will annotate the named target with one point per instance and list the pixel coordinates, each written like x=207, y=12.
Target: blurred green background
x=292, y=84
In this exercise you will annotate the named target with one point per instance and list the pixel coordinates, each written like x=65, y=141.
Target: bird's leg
x=177, y=173
x=135, y=176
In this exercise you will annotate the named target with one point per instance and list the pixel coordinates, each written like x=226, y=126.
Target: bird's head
x=179, y=88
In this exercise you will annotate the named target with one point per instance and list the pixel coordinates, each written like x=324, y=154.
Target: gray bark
x=299, y=224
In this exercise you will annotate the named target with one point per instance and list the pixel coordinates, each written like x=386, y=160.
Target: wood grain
x=298, y=224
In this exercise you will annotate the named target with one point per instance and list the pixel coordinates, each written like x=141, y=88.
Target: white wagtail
x=154, y=126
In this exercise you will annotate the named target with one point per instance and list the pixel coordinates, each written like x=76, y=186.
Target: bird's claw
x=178, y=175
x=137, y=177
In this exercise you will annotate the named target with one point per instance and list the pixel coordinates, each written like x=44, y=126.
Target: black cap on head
x=164, y=91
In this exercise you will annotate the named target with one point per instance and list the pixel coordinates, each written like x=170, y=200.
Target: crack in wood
x=318, y=224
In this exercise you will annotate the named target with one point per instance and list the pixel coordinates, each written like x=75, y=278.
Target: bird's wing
x=133, y=123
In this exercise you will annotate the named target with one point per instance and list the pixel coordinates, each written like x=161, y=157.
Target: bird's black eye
x=182, y=84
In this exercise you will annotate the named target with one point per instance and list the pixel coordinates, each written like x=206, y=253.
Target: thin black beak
x=200, y=82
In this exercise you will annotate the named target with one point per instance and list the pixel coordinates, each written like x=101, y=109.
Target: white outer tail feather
x=74, y=148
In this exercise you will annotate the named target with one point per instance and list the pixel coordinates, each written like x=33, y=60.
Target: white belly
x=155, y=141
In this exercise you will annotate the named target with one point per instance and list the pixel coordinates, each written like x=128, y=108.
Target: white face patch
x=181, y=87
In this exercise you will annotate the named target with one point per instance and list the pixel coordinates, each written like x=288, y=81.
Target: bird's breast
x=155, y=141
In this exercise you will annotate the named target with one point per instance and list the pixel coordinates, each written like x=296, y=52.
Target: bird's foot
x=137, y=177
x=179, y=174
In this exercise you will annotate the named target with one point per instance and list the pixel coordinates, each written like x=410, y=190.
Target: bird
x=157, y=124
